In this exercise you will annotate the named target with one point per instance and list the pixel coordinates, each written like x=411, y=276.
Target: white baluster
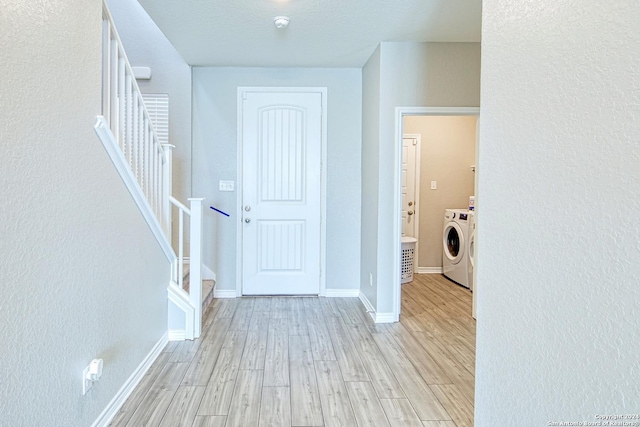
x=129, y=118
x=136, y=134
x=122, y=103
x=113, y=88
x=106, y=70
x=181, y=248
x=195, y=261
x=166, y=188
x=141, y=164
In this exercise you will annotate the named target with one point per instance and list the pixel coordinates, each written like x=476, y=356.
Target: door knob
x=247, y=208
x=410, y=213
x=410, y=203
x=247, y=220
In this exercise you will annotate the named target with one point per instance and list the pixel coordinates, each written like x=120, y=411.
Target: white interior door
x=410, y=172
x=281, y=191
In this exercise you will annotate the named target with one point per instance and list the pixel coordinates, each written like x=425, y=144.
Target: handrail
x=119, y=162
x=177, y=203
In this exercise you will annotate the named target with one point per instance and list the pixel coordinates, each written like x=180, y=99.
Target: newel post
x=167, y=179
x=195, y=262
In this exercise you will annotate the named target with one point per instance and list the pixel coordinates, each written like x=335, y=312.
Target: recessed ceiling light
x=281, y=21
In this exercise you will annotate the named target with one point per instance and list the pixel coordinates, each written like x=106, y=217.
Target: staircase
x=145, y=166
x=207, y=287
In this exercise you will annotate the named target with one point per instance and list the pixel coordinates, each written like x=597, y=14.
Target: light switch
x=434, y=185
x=227, y=186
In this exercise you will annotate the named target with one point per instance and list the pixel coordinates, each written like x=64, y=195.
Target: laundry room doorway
x=446, y=178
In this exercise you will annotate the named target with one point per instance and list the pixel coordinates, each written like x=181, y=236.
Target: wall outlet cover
x=86, y=383
x=227, y=186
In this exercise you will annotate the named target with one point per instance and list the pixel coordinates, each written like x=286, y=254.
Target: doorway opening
x=401, y=130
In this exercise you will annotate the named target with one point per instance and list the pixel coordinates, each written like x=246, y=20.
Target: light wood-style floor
x=287, y=361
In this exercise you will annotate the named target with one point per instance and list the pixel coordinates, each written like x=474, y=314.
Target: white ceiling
x=322, y=33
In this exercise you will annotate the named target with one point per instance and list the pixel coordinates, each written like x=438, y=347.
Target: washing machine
x=471, y=246
x=455, y=237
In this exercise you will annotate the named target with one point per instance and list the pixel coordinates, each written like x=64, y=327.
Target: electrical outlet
x=370, y=279
x=434, y=185
x=91, y=374
x=86, y=382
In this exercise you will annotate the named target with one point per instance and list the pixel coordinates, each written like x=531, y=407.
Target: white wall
x=558, y=332
x=411, y=74
x=370, y=152
x=71, y=290
x=214, y=159
x=146, y=46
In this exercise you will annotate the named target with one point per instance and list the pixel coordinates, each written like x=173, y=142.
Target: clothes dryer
x=471, y=247
x=455, y=263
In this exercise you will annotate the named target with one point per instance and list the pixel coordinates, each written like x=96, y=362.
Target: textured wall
x=71, y=290
x=558, y=333
x=448, y=150
x=215, y=152
x=410, y=75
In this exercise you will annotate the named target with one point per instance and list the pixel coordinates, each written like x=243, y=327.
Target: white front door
x=410, y=151
x=281, y=191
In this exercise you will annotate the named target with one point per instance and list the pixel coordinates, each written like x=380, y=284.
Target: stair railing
x=127, y=132
x=194, y=224
x=126, y=115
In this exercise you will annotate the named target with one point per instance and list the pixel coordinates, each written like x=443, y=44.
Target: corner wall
x=558, y=332
x=410, y=75
x=71, y=290
x=215, y=158
x=370, y=153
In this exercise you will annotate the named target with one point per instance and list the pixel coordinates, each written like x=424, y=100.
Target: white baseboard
x=385, y=318
x=367, y=304
x=224, y=293
x=377, y=317
x=429, y=270
x=127, y=388
x=177, y=334
x=342, y=293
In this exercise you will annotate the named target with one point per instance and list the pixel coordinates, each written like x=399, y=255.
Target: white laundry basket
x=407, y=256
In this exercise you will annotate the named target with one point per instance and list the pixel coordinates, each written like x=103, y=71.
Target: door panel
x=281, y=146
x=409, y=198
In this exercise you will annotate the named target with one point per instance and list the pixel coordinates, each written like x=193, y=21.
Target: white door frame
x=323, y=179
x=416, y=186
x=397, y=199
